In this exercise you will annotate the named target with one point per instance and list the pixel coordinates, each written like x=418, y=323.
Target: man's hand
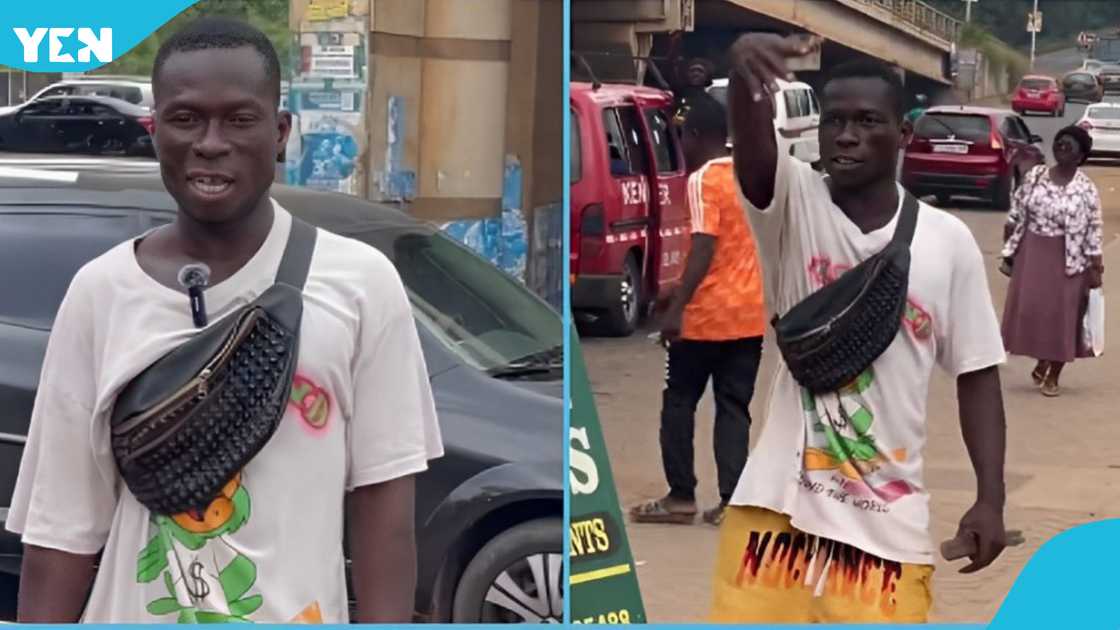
x=671, y=323
x=760, y=59
x=984, y=524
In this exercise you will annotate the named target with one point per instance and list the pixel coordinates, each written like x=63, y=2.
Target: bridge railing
x=921, y=15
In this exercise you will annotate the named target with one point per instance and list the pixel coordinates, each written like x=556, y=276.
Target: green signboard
x=603, y=585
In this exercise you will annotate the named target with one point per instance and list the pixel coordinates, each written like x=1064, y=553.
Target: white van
x=797, y=117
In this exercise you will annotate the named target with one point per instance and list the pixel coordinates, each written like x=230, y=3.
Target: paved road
x=1062, y=466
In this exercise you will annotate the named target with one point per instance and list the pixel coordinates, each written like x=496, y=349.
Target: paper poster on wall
x=329, y=151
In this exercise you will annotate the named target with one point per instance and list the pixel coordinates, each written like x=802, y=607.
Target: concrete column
x=463, y=112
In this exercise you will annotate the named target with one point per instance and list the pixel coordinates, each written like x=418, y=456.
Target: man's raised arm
x=757, y=60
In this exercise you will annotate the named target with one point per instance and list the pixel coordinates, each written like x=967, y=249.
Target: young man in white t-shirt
x=830, y=520
x=360, y=424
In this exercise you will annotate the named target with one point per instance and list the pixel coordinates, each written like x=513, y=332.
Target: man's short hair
x=703, y=113
x=873, y=69
x=221, y=32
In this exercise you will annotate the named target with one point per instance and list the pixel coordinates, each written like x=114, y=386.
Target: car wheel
x=1001, y=196
x=622, y=317
x=517, y=577
x=943, y=200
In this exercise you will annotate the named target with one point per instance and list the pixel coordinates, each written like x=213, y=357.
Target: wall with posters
x=328, y=95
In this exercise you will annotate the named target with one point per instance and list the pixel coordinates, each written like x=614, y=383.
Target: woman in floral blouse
x=1053, y=237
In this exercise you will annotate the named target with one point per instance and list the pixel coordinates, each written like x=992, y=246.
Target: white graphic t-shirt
x=848, y=466
x=269, y=546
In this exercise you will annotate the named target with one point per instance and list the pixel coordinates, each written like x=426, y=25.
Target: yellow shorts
x=769, y=572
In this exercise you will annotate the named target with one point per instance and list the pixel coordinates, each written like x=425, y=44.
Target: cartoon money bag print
x=207, y=580
x=840, y=439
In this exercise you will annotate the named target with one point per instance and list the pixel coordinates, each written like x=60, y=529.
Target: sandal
x=655, y=512
x=1051, y=390
x=1039, y=379
x=714, y=516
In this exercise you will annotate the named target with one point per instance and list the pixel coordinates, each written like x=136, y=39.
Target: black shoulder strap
x=907, y=220
x=296, y=262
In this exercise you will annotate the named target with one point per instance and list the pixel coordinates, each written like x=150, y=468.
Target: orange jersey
x=729, y=303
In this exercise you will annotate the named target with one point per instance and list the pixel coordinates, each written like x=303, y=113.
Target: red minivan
x=629, y=218
x=975, y=151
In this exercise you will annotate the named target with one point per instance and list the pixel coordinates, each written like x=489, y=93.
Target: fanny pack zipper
x=197, y=387
x=827, y=326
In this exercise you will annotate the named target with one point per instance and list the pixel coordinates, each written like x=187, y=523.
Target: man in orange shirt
x=713, y=325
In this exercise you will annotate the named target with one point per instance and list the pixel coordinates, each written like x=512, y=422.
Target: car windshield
x=1036, y=84
x=960, y=126
x=1081, y=78
x=1104, y=113
x=482, y=315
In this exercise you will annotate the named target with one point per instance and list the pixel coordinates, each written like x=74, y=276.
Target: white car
x=1102, y=121
x=797, y=117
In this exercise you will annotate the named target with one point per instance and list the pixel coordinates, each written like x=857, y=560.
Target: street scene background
x=1062, y=467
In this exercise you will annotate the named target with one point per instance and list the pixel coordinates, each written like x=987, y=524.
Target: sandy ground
x=1062, y=464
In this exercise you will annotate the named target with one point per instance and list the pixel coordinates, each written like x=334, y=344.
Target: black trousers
x=732, y=367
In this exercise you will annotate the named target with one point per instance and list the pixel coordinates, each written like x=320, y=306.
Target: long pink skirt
x=1044, y=309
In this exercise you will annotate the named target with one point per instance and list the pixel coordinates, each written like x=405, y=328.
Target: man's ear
x=907, y=131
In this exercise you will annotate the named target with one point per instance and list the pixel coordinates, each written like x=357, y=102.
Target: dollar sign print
x=196, y=583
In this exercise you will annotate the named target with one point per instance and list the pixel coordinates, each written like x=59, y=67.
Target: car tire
x=503, y=582
x=1001, y=196
x=622, y=317
x=943, y=200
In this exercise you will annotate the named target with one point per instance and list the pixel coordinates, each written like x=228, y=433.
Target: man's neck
x=870, y=207
x=233, y=242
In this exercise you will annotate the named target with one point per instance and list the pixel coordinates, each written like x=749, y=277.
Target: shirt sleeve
x=66, y=493
x=393, y=430
x=704, y=202
x=1094, y=238
x=969, y=337
x=1019, y=199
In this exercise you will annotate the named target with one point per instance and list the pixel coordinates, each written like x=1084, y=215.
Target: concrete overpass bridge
x=909, y=34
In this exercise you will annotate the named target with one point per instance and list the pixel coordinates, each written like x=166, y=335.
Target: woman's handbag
x=182, y=428
x=833, y=335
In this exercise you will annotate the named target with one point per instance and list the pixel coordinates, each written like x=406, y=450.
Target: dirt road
x=1062, y=464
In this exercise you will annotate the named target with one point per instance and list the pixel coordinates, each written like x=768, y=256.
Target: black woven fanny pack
x=189, y=422
x=837, y=332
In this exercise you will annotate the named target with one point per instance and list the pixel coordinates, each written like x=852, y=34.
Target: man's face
x=217, y=132
x=860, y=132
x=697, y=75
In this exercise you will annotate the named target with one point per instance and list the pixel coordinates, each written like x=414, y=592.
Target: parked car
x=488, y=513
x=1037, y=93
x=976, y=151
x=1082, y=86
x=797, y=117
x=1102, y=121
x=87, y=124
x=629, y=217
x=132, y=89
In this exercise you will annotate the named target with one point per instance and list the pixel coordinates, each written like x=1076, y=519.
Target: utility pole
x=1034, y=31
x=968, y=10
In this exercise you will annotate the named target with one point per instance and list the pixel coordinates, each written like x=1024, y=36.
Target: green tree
x=271, y=16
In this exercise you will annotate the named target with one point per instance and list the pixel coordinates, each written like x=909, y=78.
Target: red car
x=629, y=218
x=1037, y=93
x=974, y=151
